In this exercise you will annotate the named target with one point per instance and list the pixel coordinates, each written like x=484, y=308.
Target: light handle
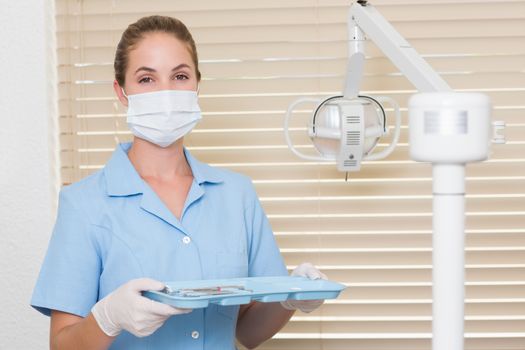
x=289, y=112
x=386, y=152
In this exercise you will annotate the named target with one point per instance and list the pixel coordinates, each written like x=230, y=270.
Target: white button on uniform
x=186, y=240
x=194, y=334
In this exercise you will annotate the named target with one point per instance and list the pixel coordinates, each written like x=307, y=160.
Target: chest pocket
x=231, y=264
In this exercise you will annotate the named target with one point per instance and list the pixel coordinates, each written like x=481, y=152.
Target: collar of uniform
x=123, y=180
x=202, y=172
x=121, y=177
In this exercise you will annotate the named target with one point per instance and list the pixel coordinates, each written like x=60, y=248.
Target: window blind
x=372, y=232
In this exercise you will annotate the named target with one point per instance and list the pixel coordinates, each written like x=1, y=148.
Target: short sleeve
x=69, y=276
x=264, y=256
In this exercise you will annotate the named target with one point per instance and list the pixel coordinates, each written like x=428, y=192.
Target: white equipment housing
x=446, y=128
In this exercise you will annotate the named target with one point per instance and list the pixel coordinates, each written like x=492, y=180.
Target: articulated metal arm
x=365, y=20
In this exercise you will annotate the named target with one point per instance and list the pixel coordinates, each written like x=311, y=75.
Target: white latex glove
x=310, y=271
x=126, y=309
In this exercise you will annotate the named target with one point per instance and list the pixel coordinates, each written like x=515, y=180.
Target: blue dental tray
x=236, y=291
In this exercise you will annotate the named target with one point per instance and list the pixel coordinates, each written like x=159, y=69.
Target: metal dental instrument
x=204, y=291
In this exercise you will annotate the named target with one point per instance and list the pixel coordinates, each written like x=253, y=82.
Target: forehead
x=159, y=49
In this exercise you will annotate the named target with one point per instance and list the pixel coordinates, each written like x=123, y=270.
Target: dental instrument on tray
x=198, y=292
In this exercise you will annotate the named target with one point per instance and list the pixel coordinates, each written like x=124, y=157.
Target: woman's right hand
x=126, y=309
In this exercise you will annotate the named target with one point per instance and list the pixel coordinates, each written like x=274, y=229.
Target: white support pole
x=449, y=130
x=448, y=256
x=448, y=220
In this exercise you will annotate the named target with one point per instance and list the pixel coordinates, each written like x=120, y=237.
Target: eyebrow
x=148, y=69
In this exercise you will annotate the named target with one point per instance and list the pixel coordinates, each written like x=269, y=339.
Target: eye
x=181, y=77
x=145, y=80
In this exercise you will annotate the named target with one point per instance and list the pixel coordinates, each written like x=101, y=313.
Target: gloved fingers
x=164, y=310
x=288, y=305
x=309, y=305
x=142, y=284
x=311, y=302
x=177, y=311
x=150, y=316
x=181, y=310
x=313, y=274
x=301, y=270
x=308, y=270
x=146, y=331
x=303, y=305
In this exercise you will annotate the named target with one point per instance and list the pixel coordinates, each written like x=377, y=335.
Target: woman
x=155, y=213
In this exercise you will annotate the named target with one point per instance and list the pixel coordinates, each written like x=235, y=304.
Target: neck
x=152, y=161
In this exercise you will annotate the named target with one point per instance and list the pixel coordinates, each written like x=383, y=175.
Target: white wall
x=27, y=191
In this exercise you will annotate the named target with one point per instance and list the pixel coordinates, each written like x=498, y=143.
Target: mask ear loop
x=117, y=125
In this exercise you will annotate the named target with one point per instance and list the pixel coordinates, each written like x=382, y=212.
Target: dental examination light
x=347, y=129
x=446, y=128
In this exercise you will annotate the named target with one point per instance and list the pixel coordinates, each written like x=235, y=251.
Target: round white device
x=325, y=130
x=449, y=127
x=346, y=130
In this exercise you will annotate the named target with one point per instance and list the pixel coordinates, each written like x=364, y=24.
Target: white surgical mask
x=163, y=117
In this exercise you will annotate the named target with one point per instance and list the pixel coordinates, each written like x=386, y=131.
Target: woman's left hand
x=310, y=271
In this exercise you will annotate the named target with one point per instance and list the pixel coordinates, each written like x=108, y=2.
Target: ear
x=120, y=95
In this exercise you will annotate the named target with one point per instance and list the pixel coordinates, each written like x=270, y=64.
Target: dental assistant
x=155, y=213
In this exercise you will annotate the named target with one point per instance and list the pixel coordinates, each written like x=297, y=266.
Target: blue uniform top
x=112, y=227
